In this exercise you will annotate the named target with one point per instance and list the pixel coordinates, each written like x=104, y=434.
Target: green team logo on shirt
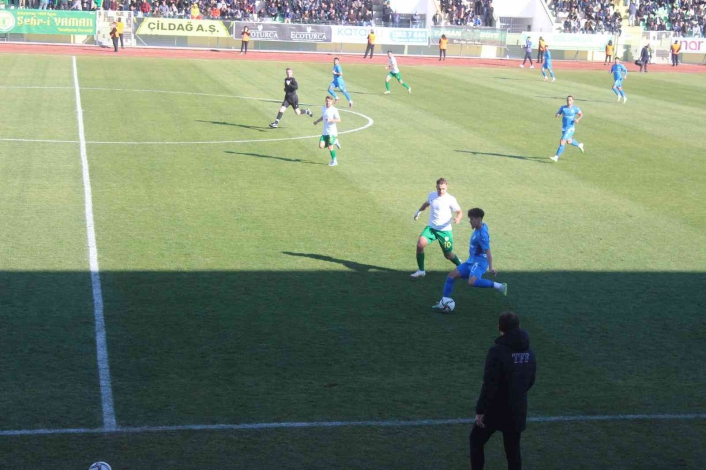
x=7, y=21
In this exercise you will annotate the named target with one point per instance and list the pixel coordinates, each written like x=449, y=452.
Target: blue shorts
x=568, y=133
x=618, y=83
x=472, y=268
x=338, y=84
x=547, y=65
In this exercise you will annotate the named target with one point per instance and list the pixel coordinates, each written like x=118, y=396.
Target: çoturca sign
x=284, y=32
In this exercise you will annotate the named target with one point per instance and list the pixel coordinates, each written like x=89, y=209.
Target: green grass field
x=247, y=282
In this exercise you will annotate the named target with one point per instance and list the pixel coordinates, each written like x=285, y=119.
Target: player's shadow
x=244, y=126
x=504, y=155
x=284, y=159
x=352, y=265
x=518, y=79
x=563, y=98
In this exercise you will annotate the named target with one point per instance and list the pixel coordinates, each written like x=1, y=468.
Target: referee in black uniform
x=290, y=98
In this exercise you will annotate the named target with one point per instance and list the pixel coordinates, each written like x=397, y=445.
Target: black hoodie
x=510, y=369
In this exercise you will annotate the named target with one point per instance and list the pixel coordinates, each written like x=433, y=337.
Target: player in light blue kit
x=547, y=65
x=338, y=83
x=479, y=261
x=570, y=116
x=620, y=73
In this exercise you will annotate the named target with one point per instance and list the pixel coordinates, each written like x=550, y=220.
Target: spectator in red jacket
x=145, y=8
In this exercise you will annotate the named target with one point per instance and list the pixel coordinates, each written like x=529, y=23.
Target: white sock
x=497, y=286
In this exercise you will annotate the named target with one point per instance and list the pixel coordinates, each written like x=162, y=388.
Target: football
x=447, y=305
x=99, y=466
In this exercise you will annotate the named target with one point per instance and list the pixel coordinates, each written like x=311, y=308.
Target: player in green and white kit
x=330, y=116
x=443, y=205
x=394, y=73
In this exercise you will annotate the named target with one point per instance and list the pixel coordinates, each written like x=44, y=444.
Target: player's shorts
x=445, y=238
x=338, y=84
x=328, y=140
x=568, y=133
x=472, y=268
x=618, y=83
x=547, y=65
x=397, y=75
x=292, y=101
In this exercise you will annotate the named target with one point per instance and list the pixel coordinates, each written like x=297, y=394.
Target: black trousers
x=528, y=56
x=442, y=53
x=539, y=56
x=511, y=439
x=115, y=43
x=244, y=46
x=370, y=48
x=675, y=59
x=122, y=44
x=644, y=64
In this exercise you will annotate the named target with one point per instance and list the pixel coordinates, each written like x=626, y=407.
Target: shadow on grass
x=563, y=98
x=518, y=79
x=233, y=124
x=359, y=267
x=504, y=155
x=272, y=157
x=261, y=346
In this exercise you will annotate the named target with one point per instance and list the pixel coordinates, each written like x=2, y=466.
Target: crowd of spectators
x=345, y=12
x=588, y=16
x=683, y=17
x=461, y=13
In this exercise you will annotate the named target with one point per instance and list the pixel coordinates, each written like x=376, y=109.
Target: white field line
x=369, y=120
x=106, y=387
x=50, y=141
x=342, y=424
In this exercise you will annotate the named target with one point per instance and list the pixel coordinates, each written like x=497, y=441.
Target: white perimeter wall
x=541, y=20
x=407, y=7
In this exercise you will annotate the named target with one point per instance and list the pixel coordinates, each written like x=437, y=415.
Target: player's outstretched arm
x=421, y=209
x=318, y=120
x=459, y=216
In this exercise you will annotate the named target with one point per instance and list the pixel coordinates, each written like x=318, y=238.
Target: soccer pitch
x=257, y=303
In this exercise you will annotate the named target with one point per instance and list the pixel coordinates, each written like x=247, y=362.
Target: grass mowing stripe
x=341, y=424
x=101, y=342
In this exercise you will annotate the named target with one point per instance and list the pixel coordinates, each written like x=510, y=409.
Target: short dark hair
x=508, y=321
x=476, y=212
x=441, y=181
x=336, y=58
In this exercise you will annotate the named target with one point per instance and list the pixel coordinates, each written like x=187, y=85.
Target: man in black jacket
x=510, y=369
x=290, y=99
x=644, y=57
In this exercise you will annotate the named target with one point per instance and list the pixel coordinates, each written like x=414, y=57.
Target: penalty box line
x=342, y=424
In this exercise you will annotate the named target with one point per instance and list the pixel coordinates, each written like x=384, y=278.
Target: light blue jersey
x=619, y=72
x=339, y=83
x=568, y=117
x=547, y=60
x=477, y=262
x=480, y=242
x=528, y=46
x=338, y=79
